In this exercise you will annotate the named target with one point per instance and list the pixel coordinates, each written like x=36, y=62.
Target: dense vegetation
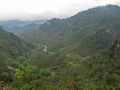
x=78, y=53
x=78, y=33
x=38, y=70
x=10, y=47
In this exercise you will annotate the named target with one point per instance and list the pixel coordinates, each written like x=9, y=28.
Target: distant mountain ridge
x=77, y=32
x=19, y=23
x=18, y=26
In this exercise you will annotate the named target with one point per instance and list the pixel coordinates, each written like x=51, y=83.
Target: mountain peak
x=110, y=5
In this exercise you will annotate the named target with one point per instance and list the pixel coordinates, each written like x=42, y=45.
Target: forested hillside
x=76, y=33
x=10, y=47
x=39, y=70
x=81, y=52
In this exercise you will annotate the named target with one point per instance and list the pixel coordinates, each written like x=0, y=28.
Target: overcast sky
x=46, y=9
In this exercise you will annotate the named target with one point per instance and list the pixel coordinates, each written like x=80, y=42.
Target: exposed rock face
x=115, y=48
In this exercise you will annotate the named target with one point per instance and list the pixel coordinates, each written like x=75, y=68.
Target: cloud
x=41, y=9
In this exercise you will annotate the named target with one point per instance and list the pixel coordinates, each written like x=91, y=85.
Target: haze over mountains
x=81, y=52
x=17, y=26
x=86, y=32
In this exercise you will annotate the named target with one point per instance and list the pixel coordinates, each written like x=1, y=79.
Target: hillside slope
x=11, y=45
x=75, y=33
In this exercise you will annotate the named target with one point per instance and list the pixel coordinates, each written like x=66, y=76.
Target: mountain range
x=17, y=26
x=85, y=33
x=81, y=52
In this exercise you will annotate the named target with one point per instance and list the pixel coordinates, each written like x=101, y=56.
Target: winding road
x=45, y=50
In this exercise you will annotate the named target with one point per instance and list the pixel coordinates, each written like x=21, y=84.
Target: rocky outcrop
x=115, y=48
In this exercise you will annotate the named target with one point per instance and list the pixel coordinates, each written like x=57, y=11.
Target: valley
x=81, y=52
